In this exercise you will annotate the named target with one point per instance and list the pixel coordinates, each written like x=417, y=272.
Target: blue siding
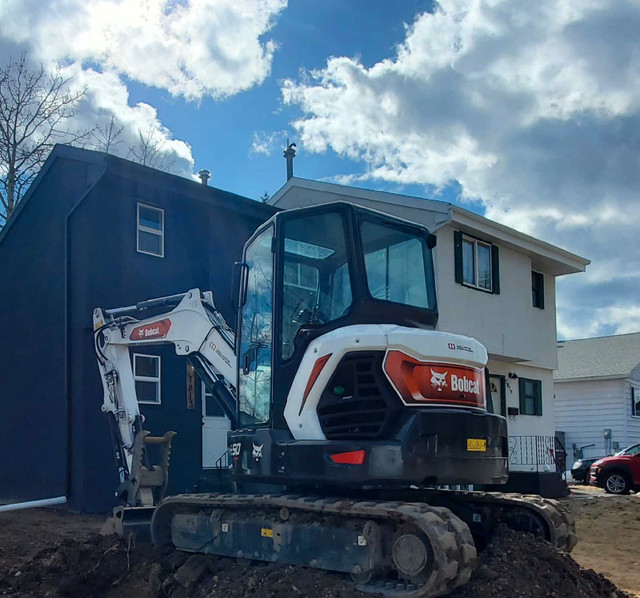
x=205, y=230
x=33, y=412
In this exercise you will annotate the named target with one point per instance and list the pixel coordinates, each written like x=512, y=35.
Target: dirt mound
x=109, y=567
x=521, y=566
x=93, y=566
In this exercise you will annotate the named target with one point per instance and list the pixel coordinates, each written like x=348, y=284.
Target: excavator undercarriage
x=391, y=547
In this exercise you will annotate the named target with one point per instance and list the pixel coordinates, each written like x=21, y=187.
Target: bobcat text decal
x=420, y=383
x=158, y=329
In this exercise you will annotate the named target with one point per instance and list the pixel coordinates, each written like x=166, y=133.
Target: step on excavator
x=354, y=422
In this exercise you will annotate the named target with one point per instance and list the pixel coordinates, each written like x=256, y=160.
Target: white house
x=495, y=284
x=597, y=393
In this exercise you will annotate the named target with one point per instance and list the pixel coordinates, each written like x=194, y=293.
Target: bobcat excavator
x=349, y=411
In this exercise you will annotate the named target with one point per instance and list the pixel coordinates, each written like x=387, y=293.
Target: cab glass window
x=396, y=265
x=317, y=285
x=254, y=384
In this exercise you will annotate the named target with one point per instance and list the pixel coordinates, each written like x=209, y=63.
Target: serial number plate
x=476, y=444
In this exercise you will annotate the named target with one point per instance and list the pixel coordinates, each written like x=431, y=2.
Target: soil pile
x=521, y=566
x=110, y=567
x=92, y=566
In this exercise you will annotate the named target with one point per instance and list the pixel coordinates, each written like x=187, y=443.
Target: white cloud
x=189, y=48
x=532, y=107
x=192, y=48
x=265, y=143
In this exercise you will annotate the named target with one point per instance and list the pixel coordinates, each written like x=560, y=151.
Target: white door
x=214, y=430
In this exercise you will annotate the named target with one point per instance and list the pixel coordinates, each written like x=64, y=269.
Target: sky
x=525, y=112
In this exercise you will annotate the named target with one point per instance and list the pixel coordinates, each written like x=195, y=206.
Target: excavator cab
x=326, y=291
x=314, y=270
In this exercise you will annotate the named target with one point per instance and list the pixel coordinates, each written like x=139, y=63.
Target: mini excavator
x=354, y=423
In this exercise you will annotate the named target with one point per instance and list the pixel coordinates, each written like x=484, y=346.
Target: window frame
x=475, y=243
x=298, y=284
x=537, y=299
x=153, y=231
x=635, y=400
x=537, y=396
x=204, y=394
x=157, y=379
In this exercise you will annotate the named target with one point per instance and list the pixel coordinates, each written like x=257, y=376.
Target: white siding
x=526, y=425
x=506, y=324
x=584, y=409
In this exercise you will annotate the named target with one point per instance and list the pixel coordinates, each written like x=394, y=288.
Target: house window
x=635, y=401
x=476, y=263
x=530, y=397
x=150, y=230
x=211, y=407
x=301, y=276
x=146, y=373
x=537, y=289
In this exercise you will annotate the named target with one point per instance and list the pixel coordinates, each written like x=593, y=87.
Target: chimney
x=290, y=154
x=204, y=175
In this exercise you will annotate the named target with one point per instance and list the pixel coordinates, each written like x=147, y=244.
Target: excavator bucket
x=128, y=521
x=145, y=488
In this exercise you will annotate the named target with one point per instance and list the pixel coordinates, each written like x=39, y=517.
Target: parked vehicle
x=580, y=469
x=618, y=474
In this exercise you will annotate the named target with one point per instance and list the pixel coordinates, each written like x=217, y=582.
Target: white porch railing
x=536, y=453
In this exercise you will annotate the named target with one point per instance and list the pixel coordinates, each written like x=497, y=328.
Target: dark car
x=618, y=474
x=580, y=469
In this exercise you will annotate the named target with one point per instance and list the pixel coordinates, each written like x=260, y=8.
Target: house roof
x=600, y=357
x=544, y=256
x=189, y=188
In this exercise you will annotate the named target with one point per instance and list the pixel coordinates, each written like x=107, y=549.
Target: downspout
x=32, y=504
x=67, y=388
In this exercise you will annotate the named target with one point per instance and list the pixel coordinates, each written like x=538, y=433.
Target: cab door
x=256, y=334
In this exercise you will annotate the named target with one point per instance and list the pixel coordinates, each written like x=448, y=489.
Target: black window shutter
x=633, y=401
x=523, y=403
x=538, y=397
x=537, y=287
x=457, y=250
x=495, y=269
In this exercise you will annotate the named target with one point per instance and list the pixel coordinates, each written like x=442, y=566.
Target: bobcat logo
x=438, y=380
x=257, y=451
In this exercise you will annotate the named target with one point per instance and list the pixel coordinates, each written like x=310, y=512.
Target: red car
x=618, y=474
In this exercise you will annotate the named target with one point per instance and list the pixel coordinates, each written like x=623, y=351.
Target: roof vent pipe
x=204, y=175
x=290, y=154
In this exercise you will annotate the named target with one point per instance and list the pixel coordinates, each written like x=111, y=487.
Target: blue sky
x=526, y=112
x=221, y=132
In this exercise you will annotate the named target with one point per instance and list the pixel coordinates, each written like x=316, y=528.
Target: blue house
x=95, y=230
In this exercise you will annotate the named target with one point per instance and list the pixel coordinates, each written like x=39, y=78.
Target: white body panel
x=424, y=345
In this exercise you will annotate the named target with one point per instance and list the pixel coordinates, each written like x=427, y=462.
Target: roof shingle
x=606, y=356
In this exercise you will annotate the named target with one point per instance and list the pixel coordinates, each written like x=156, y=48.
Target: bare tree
x=35, y=106
x=149, y=151
x=264, y=198
x=107, y=138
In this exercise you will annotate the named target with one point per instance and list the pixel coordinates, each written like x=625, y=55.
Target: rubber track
x=560, y=522
x=453, y=548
